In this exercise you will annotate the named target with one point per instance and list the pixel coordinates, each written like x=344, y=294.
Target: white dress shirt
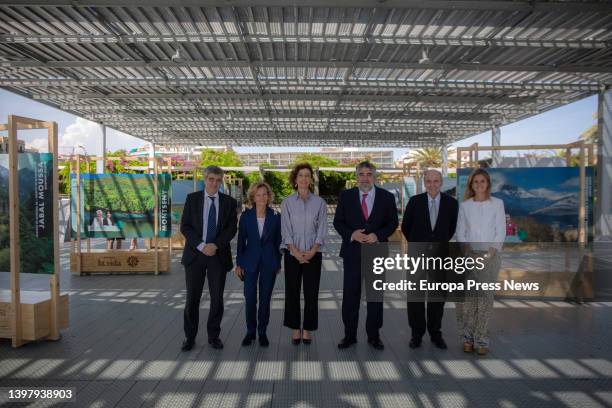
x=207, y=203
x=482, y=221
x=369, y=199
x=436, y=202
x=260, y=225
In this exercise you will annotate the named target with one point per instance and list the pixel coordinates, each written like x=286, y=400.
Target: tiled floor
x=122, y=349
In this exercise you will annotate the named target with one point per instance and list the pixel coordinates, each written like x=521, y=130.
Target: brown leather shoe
x=482, y=351
x=468, y=347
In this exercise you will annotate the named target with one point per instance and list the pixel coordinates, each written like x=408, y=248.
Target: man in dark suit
x=365, y=215
x=430, y=217
x=209, y=223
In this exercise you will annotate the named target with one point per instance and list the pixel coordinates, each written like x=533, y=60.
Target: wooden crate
x=178, y=242
x=120, y=261
x=35, y=314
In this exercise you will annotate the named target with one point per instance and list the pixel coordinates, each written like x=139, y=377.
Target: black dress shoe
x=346, y=342
x=263, y=340
x=216, y=343
x=248, y=339
x=439, y=343
x=415, y=342
x=187, y=344
x=376, y=343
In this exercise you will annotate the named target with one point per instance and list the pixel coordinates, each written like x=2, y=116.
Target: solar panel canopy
x=395, y=73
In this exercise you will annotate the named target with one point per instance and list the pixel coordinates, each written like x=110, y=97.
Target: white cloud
x=83, y=132
x=550, y=194
x=497, y=181
x=40, y=144
x=573, y=182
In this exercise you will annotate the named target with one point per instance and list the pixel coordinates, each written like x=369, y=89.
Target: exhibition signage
x=541, y=203
x=35, y=213
x=120, y=205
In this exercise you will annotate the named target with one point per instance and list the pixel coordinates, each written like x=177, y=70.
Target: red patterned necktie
x=364, y=207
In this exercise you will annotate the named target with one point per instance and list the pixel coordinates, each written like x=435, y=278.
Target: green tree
x=212, y=157
x=331, y=183
x=591, y=135
x=278, y=181
x=64, y=174
x=316, y=160
x=116, y=153
x=428, y=157
x=123, y=164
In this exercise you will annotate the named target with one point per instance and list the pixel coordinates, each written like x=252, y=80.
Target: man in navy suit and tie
x=430, y=217
x=209, y=223
x=365, y=215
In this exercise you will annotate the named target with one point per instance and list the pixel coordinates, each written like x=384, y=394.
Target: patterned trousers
x=474, y=313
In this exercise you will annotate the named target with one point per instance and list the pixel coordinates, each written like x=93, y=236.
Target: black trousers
x=195, y=275
x=418, y=323
x=310, y=274
x=351, y=300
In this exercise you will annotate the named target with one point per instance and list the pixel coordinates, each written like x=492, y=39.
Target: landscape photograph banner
x=180, y=190
x=121, y=205
x=396, y=190
x=35, y=174
x=541, y=203
x=410, y=187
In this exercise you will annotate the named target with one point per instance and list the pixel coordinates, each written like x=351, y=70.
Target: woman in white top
x=482, y=224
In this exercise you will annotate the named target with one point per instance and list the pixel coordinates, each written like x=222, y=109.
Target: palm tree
x=431, y=157
x=590, y=135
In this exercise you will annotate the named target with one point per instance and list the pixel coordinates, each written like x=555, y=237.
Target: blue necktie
x=211, y=226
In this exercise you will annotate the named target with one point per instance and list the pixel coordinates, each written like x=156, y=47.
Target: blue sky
x=562, y=125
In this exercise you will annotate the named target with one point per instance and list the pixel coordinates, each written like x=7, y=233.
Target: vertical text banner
x=36, y=239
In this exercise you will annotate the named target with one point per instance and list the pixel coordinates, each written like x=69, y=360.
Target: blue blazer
x=251, y=248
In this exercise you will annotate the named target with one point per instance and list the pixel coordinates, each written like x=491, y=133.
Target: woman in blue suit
x=258, y=259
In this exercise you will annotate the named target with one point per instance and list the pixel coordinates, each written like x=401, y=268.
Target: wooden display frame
x=32, y=315
x=177, y=240
x=571, y=285
x=581, y=145
x=94, y=261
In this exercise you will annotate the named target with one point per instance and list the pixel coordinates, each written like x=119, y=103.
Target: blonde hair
x=469, y=191
x=253, y=190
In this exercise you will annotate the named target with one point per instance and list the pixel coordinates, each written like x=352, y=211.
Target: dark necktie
x=211, y=226
x=364, y=206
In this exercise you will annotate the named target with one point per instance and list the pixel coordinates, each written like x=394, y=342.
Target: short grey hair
x=366, y=164
x=213, y=170
x=438, y=172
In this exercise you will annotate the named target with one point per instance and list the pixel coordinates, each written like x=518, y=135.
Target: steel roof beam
x=306, y=97
x=345, y=109
x=463, y=117
x=298, y=39
x=318, y=83
x=501, y=5
x=311, y=64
